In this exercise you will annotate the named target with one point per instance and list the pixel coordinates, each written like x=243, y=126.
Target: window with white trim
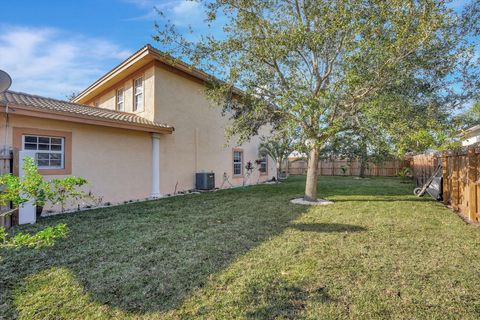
x=138, y=94
x=263, y=164
x=237, y=163
x=120, y=100
x=49, y=151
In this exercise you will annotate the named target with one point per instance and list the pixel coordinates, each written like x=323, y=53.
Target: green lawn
x=248, y=253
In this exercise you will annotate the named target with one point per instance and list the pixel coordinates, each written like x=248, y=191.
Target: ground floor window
x=237, y=162
x=49, y=151
x=263, y=164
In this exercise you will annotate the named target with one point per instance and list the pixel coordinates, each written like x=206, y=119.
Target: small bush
x=34, y=187
x=404, y=174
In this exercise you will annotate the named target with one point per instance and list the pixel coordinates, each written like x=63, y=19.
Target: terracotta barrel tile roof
x=39, y=103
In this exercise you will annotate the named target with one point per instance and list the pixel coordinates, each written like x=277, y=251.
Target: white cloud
x=186, y=8
x=53, y=63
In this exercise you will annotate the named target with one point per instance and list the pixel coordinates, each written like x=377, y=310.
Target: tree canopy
x=326, y=67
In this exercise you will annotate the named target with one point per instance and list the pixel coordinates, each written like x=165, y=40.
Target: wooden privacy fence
x=460, y=181
x=344, y=167
x=423, y=166
x=460, y=171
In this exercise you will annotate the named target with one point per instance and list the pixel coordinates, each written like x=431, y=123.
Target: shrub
x=66, y=189
x=404, y=174
x=33, y=186
x=12, y=190
x=44, y=238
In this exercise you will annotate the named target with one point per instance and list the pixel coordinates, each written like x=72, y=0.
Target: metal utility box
x=205, y=180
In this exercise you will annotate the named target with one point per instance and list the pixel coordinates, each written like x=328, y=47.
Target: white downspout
x=155, y=193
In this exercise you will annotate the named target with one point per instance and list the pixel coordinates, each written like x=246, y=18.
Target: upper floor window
x=138, y=94
x=237, y=162
x=120, y=100
x=49, y=151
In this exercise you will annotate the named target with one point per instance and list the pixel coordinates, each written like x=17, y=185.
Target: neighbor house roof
x=475, y=130
x=32, y=105
x=145, y=57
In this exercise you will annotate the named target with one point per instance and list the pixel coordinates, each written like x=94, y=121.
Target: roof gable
x=140, y=59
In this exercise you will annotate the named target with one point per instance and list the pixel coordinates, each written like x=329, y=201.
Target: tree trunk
x=312, y=177
x=363, y=159
x=363, y=167
x=279, y=168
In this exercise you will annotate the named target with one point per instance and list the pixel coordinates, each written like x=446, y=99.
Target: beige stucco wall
x=198, y=143
x=108, y=99
x=116, y=162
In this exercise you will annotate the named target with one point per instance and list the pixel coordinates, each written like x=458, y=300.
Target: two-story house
x=142, y=130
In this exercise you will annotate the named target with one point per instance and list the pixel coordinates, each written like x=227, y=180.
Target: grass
x=248, y=253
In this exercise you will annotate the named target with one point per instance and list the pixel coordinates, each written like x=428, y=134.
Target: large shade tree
x=320, y=66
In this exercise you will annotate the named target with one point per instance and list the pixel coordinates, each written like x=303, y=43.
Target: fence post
x=455, y=189
x=472, y=186
x=445, y=178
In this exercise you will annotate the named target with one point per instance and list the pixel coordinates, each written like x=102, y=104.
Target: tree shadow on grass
x=327, y=227
x=149, y=257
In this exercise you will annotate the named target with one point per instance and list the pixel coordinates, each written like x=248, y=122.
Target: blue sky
x=54, y=47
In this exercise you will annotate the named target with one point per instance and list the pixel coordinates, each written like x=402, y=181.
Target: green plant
x=33, y=186
x=11, y=190
x=404, y=174
x=3, y=235
x=66, y=189
x=344, y=170
x=278, y=147
x=326, y=67
x=44, y=238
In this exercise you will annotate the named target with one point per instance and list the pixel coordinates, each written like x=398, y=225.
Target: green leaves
x=66, y=189
x=313, y=64
x=12, y=189
x=41, y=239
x=33, y=186
x=330, y=67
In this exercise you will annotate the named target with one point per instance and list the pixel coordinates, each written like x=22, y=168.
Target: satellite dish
x=5, y=81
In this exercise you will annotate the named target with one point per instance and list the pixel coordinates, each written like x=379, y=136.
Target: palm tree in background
x=278, y=148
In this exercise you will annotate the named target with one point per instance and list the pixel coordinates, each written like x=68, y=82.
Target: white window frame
x=138, y=93
x=264, y=162
x=37, y=151
x=235, y=162
x=120, y=99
